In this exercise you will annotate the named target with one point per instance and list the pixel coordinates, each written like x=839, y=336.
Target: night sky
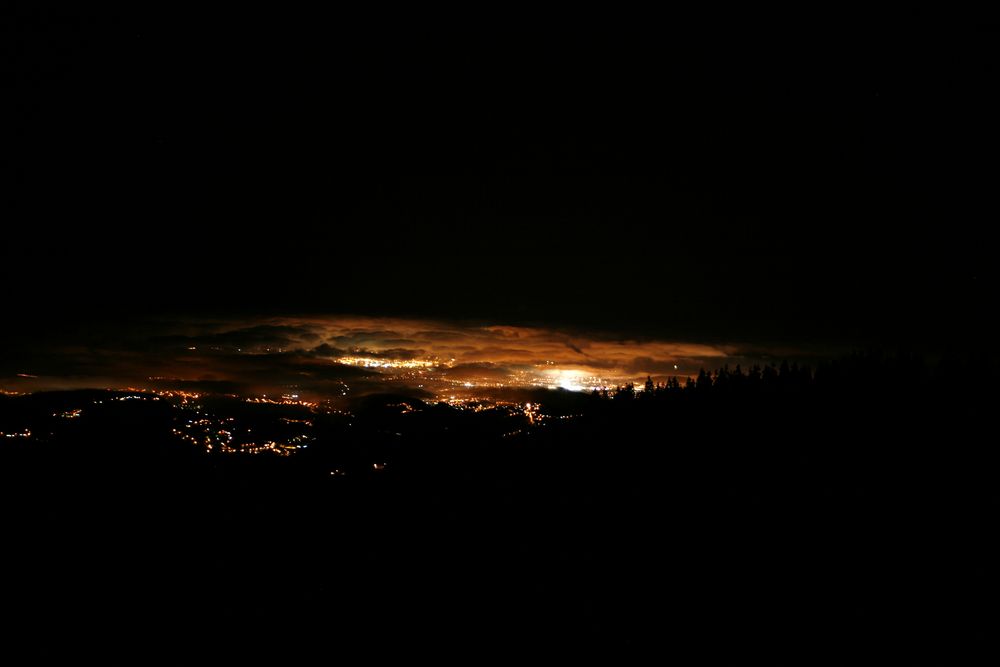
x=813, y=186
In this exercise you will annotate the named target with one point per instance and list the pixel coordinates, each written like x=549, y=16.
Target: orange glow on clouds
x=344, y=356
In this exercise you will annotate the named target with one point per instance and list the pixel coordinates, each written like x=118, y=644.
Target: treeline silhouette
x=811, y=514
x=866, y=372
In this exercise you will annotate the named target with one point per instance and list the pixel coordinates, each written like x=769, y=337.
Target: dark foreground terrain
x=847, y=515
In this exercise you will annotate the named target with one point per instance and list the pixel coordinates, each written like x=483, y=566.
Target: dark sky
x=811, y=182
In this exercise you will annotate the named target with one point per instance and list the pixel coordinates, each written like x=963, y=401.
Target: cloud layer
x=336, y=357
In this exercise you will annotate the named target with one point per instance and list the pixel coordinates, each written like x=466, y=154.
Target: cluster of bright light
x=371, y=362
x=464, y=402
x=69, y=414
x=216, y=434
x=533, y=412
x=569, y=379
x=279, y=448
x=207, y=432
x=282, y=401
x=173, y=393
x=471, y=404
x=456, y=391
x=190, y=439
x=21, y=434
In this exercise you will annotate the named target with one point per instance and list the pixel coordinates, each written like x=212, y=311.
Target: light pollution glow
x=334, y=357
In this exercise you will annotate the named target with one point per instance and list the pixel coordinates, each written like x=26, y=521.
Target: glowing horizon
x=348, y=356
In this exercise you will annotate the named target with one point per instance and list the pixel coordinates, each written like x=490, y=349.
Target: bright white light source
x=567, y=379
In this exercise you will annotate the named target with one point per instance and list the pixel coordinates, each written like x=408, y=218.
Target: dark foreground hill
x=839, y=516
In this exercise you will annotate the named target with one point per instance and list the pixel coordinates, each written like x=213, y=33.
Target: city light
x=371, y=362
x=571, y=380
